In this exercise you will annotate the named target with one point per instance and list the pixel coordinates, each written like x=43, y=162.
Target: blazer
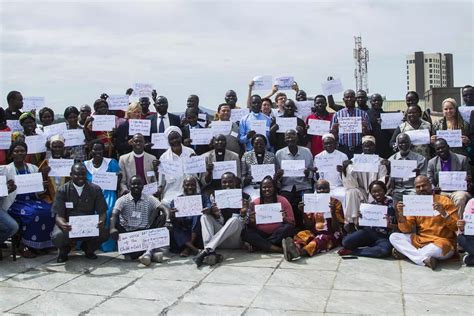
x=128, y=170
x=174, y=121
x=211, y=157
x=458, y=163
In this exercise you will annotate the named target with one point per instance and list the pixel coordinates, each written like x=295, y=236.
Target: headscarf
x=57, y=138
x=171, y=129
x=368, y=138
x=26, y=115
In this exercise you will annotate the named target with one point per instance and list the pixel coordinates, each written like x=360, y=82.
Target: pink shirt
x=285, y=205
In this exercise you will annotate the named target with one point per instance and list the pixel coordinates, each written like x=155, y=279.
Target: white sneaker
x=157, y=257
x=145, y=259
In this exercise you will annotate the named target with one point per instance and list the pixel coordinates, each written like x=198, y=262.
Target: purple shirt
x=140, y=169
x=445, y=165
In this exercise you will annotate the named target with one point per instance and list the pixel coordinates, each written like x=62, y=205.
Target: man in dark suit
x=76, y=198
x=161, y=121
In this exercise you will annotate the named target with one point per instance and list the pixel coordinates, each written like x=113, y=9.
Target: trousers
x=215, y=234
x=264, y=241
x=8, y=226
x=368, y=243
x=61, y=240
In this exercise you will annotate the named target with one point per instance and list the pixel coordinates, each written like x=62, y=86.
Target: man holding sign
x=277, y=132
x=246, y=132
x=425, y=239
x=466, y=233
x=319, y=114
x=76, y=198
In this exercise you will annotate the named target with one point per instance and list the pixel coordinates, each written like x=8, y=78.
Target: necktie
x=161, y=127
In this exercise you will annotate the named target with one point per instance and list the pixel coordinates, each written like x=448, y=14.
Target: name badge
x=150, y=173
x=69, y=205
x=135, y=215
x=234, y=134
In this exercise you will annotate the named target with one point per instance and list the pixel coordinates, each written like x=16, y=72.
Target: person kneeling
x=135, y=211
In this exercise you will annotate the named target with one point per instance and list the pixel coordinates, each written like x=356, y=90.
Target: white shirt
x=78, y=189
x=166, y=121
x=333, y=177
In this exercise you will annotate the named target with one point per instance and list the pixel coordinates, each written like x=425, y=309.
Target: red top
x=317, y=140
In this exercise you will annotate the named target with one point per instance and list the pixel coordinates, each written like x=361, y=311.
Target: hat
x=26, y=115
x=57, y=138
x=328, y=135
x=368, y=138
x=171, y=129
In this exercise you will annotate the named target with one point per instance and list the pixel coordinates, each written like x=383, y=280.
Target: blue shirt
x=245, y=128
x=354, y=139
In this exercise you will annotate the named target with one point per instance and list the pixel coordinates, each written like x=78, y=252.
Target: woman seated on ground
x=31, y=213
x=269, y=237
x=373, y=241
x=322, y=234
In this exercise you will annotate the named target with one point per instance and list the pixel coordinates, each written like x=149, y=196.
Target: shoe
x=213, y=259
x=157, y=257
x=468, y=260
x=62, y=258
x=199, y=258
x=249, y=247
x=344, y=252
x=90, y=255
x=145, y=259
x=291, y=249
x=431, y=263
x=397, y=254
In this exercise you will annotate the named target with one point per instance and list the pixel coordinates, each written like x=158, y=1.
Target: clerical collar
x=138, y=155
x=220, y=153
x=259, y=155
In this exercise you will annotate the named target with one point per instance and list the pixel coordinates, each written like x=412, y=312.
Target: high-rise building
x=426, y=71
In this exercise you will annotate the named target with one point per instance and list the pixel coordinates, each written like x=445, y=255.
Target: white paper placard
x=350, y=125
x=190, y=205
x=237, y=114
x=36, y=144
x=74, y=137
x=105, y=180
x=293, y=168
x=150, y=188
x=318, y=127
x=194, y=164
x=143, y=240
x=365, y=163
x=202, y=119
x=284, y=82
x=452, y=137
x=118, y=102
x=221, y=167
x=221, y=128
x=259, y=126
x=419, y=136
x=469, y=224
x=159, y=141
x=262, y=82
x=418, y=205
x=317, y=203
x=60, y=167
x=171, y=168
x=143, y=90
x=139, y=127
x=373, y=215
x=5, y=140
x=103, y=123
x=303, y=108
x=325, y=163
x=268, y=213
x=261, y=171
x=3, y=186
x=201, y=136
x=29, y=183
x=286, y=123
x=452, y=180
x=390, y=120
x=465, y=112
x=403, y=168
x=230, y=198
x=54, y=129
x=32, y=103
x=332, y=87
x=15, y=125
x=84, y=226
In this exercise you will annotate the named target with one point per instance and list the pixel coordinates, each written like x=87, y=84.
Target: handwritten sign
x=268, y=213
x=237, y=114
x=201, y=136
x=202, y=119
x=418, y=205
x=74, y=137
x=262, y=82
x=150, y=188
x=29, y=183
x=84, y=226
x=105, y=180
x=54, y=129
x=419, y=136
x=373, y=215
x=284, y=82
x=103, y=123
x=36, y=144
x=190, y=205
x=325, y=163
x=159, y=141
x=390, y=120
x=286, y=123
x=293, y=168
x=221, y=167
x=3, y=186
x=465, y=112
x=118, y=102
x=365, y=163
x=332, y=87
x=221, y=127
x=5, y=140
x=15, y=125
x=318, y=127
x=317, y=203
x=303, y=108
x=261, y=171
x=469, y=224
x=139, y=127
x=32, y=103
x=230, y=198
x=171, y=168
x=452, y=137
x=143, y=240
x=350, y=125
x=452, y=180
x=60, y=167
x=403, y=168
x=194, y=164
x=142, y=90
x=259, y=126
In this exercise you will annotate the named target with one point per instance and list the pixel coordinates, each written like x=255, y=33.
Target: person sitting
x=321, y=234
x=135, y=211
x=77, y=198
x=373, y=241
x=466, y=241
x=8, y=225
x=222, y=227
x=425, y=239
x=192, y=123
x=277, y=136
x=269, y=237
x=445, y=160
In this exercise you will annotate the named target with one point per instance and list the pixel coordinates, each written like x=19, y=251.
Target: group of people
x=276, y=166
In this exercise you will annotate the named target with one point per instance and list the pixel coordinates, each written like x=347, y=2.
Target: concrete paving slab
x=361, y=302
x=186, y=308
x=326, y=261
x=38, y=280
x=95, y=285
x=181, y=270
x=303, y=279
x=119, y=267
x=11, y=297
x=368, y=281
x=274, y=312
x=76, y=264
x=253, y=259
x=239, y=275
x=223, y=294
x=127, y=306
x=418, y=304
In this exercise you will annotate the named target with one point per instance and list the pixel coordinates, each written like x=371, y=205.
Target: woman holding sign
x=99, y=164
x=271, y=219
x=32, y=213
x=77, y=152
x=28, y=121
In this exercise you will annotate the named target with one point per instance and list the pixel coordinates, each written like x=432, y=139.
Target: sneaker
x=145, y=259
x=91, y=256
x=157, y=257
x=290, y=249
x=199, y=258
x=468, y=260
x=213, y=259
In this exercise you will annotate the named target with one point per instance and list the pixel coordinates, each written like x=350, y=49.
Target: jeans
x=8, y=226
x=264, y=241
x=375, y=244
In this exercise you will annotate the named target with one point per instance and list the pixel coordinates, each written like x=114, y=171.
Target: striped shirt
x=353, y=139
x=133, y=214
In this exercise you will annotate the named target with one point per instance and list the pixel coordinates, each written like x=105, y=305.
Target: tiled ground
x=245, y=284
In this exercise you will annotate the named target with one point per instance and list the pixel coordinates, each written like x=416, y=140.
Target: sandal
x=398, y=255
x=185, y=253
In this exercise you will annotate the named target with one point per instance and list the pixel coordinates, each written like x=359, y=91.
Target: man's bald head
x=423, y=185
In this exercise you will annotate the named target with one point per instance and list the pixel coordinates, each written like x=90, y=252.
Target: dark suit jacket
x=122, y=138
x=458, y=163
x=198, y=149
x=174, y=121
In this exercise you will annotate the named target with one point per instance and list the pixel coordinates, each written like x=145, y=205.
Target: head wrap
x=26, y=115
x=171, y=129
x=368, y=138
x=328, y=135
x=57, y=138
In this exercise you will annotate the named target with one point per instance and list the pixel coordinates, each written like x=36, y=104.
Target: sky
x=72, y=51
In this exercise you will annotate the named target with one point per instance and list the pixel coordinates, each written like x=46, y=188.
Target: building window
x=431, y=60
x=426, y=60
x=431, y=70
x=431, y=81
